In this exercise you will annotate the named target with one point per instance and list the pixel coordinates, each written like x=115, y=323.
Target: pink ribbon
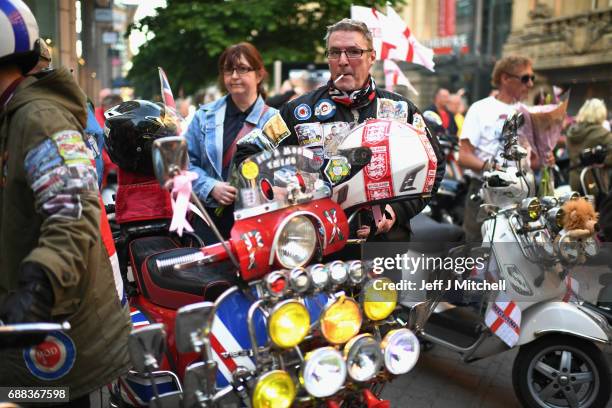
x=180, y=195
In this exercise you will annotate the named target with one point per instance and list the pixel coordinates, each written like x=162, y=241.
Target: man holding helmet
x=350, y=97
x=57, y=258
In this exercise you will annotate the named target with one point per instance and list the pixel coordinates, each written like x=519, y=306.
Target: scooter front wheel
x=561, y=371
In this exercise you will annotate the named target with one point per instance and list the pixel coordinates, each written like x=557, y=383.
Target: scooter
x=514, y=298
x=246, y=314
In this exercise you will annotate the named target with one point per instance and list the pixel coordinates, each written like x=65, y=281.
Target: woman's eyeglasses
x=524, y=78
x=241, y=70
x=351, y=53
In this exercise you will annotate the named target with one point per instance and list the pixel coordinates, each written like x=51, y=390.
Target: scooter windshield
x=276, y=179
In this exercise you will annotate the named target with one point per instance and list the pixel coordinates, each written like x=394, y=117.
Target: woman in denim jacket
x=218, y=126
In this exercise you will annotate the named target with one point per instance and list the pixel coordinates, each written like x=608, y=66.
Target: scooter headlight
x=324, y=372
x=288, y=324
x=274, y=389
x=297, y=242
x=401, y=351
x=338, y=272
x=379, y=300
x=299, y=280
x=543, y=244
x=341, y=320
x=591, y=247
x=530, y=209
x=319, y=274
x=554, y=219
x=363, y=357
x=568, y=248
x=356, y=272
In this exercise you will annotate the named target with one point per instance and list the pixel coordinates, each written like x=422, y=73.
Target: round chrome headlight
x=296, y=243
x=299, y=280
x=530, y=209
x=338, y=272
x=356, y=272
x=554, y=219
x=341, y=320
x=319, y=274
x=543, y=244
x=288, y=324
x=324, y=372
x=591, y=247
x=401, y=350
x=274, y=389
x=276, y=283
x=363, y=357
x=568, y=248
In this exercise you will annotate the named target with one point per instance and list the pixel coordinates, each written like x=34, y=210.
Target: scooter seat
x=173, y=288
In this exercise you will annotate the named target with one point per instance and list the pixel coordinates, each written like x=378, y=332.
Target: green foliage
x=189, y=36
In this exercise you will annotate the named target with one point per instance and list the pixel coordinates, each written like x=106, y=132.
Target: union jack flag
x=166, y=91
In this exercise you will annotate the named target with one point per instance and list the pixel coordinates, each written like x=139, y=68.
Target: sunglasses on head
x=524, y=78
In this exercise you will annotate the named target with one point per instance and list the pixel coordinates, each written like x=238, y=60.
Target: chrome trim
x=571, y=333
x=280, y=228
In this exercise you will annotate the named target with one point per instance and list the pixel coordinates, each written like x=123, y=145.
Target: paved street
x=442, y=380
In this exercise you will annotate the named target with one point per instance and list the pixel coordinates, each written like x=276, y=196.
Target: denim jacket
x=205, y=143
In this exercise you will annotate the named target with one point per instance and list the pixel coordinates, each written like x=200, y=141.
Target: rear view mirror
x=146, y=346
x=169, y=157
x=193, y=323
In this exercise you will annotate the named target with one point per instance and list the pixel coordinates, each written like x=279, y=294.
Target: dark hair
x=231, y=58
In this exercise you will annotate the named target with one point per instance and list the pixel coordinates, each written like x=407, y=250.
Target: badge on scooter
x=53, y=358
x=324, y=109
x=250, y=170
x=337, y=168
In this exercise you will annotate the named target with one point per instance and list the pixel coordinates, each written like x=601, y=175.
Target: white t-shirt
x=483, y=125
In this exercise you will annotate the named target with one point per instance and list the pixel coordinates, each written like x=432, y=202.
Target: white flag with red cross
x=504, y=319
x=395, y=76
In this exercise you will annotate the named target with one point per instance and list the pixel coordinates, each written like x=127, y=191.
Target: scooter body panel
x=560, y=317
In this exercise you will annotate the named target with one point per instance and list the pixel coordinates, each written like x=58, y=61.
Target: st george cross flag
x=166, y=91
x=395, y=76
x=572, y=285
x=402, y=43
x=504, y=319
x=372, y=18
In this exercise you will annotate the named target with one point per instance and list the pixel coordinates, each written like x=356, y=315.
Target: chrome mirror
x=169, y=157
x=193, y=323
x=146, y=346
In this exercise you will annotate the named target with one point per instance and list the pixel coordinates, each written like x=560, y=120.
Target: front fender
x=560, y=317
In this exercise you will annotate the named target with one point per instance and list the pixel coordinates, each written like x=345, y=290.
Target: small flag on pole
x=166, y=91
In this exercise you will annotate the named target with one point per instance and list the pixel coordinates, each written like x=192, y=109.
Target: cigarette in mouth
x=339, y=78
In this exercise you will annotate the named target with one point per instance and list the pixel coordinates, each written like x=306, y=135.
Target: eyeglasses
x=351, y=53
x=524, y=79
x=241, y=70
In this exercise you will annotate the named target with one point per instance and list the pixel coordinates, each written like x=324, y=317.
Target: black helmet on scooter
x=129, y=132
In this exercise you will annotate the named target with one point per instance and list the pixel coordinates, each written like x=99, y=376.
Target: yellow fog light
x=379, y=300
x=530, y=209
x=341, y=320
x=274, y=389
x=289, y=323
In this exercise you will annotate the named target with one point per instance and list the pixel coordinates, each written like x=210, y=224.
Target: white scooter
x=559, y=363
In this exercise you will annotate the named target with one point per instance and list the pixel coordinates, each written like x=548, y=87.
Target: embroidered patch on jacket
x=325, y=109
x=309, y=134
x=390, y=109
x=302, y=112
x=53, y=358
x=276, y=129
x=59, y=170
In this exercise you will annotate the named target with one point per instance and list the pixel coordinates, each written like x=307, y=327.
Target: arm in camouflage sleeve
x=405, y=210
x=58, y=168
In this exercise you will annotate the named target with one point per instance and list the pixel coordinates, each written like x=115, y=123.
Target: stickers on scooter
x=52, y=359
x=390, y=109
x=325, y=109
x=252, y=240
x=336, y=232
x=309, y=134
x=517, y=280
x=418, y=121
x=302, y=112
x=337, y=168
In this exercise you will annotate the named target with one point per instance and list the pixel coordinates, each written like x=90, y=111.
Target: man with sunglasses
x=481, y=140
x=349, y=98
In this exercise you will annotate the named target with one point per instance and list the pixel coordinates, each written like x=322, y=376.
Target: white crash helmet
x=19, y=33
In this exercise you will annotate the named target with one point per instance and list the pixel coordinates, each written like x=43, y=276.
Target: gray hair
x=347, y=24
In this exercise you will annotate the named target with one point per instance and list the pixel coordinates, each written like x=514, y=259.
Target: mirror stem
x=213, y=227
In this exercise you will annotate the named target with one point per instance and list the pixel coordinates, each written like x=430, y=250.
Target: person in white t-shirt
x=481, y=141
